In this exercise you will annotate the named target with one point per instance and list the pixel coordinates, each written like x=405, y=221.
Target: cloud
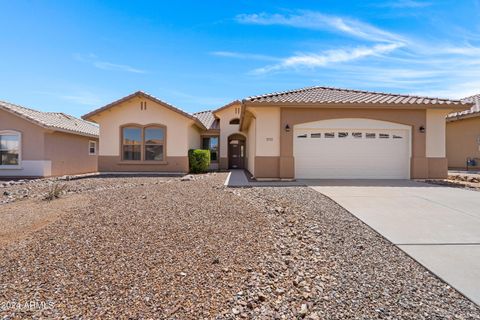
x=328, y=57
x=319, y=21
x=248, y=56
x=104, y=65
x=442, y=67
x=81, y=97
x=405, y=4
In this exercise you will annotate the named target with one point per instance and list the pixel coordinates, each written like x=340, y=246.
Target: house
x=43, y=144
x=315, y=132
x=463, y=136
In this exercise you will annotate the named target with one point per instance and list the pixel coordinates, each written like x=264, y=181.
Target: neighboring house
x=42, y=144
x=315, y=132
x=463, y=136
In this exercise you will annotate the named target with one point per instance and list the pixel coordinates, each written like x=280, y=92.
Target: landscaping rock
x=202, y=251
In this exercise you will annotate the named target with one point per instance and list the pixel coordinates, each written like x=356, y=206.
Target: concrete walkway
x=438, y=226
x=237, y=178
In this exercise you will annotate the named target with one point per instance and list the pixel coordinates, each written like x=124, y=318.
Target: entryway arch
x=236, y=151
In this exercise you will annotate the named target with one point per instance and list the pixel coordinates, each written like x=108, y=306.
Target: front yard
x=161, y=248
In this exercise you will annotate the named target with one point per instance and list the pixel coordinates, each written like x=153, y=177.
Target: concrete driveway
x=438, y=226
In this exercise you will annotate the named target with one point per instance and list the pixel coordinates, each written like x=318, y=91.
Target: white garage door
x=352, y=149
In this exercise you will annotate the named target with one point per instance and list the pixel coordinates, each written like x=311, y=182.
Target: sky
x=76, y=56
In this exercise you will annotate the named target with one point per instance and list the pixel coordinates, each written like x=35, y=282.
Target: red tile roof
x=330, y=95
x=472, y=112
x=208, y=119
x=53, y=120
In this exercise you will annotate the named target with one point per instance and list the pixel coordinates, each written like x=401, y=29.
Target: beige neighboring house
x=44, y=144
x=315, y=132
x=463, y=136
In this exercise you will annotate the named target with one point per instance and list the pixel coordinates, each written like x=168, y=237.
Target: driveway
x=438, y=226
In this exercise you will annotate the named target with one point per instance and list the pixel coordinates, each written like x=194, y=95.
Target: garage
x=352, y=149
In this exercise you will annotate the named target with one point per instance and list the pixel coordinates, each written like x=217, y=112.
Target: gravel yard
x=161, y=248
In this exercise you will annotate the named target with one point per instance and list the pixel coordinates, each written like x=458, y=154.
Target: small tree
x=199, y=160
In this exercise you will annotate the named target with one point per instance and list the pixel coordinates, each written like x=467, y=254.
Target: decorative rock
x=188, y=177
x=303, y=310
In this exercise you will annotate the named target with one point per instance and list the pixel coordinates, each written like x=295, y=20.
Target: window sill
x=14, y=167
x=142, y=162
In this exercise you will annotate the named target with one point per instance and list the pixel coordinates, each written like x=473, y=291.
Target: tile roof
x=319, y=94
x=207, y=118
x=53, y=120
x=473, y=111
x=143, y=95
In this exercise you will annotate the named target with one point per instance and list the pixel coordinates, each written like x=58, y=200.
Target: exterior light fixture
x=287, y=128
x=422, y=129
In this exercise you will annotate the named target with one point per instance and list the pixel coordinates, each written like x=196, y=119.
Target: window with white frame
x=92, y=148
x=10, y=148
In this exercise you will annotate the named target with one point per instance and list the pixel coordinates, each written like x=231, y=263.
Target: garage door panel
x=350, y=154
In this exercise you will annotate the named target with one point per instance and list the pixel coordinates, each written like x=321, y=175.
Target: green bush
x=199, y=160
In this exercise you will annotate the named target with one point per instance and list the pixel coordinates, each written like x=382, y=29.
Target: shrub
x=199, y=160
x=55, y=192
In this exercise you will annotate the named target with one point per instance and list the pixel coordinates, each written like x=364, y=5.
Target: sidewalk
x=238, y=179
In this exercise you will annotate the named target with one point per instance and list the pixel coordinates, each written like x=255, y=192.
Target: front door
x=236, y=154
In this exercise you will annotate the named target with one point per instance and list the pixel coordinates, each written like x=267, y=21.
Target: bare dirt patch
x=21, y=219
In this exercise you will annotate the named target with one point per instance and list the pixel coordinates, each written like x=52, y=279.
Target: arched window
x=10, y=146
x=235, y=121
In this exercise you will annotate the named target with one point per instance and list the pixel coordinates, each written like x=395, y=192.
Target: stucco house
x=42, y=144
x=315, y=132
x=463, y=136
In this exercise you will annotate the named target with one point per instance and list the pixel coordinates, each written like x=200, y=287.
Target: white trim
x=95, y=144
x=29, y=168
x=19, y=134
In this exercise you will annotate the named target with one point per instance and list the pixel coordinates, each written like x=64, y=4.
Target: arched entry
x=236, y=151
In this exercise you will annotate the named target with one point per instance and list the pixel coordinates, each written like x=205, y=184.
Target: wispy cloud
x=377, y=58
x=81, y=97
x=328, y=57
x=248, y=56
x=405, y=4
x=105, y=65
x=320, y=21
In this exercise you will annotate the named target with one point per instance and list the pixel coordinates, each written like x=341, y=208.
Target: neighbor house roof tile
x=53, y=120
x=330, y=95
x=473, y=111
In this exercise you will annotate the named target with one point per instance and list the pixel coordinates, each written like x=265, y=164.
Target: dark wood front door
x=236, y=154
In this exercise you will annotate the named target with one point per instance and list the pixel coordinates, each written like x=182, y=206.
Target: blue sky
x=75, y=56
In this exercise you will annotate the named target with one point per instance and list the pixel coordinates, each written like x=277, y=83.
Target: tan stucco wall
x=179, y=134
x=268, y=132
x=435, y=133
x=114, y=164
x=32, y=135
x=421, y=165
x=69, y=153
x=251, y=137
x=227, y=129
x=194, y=139
x=462, y=141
